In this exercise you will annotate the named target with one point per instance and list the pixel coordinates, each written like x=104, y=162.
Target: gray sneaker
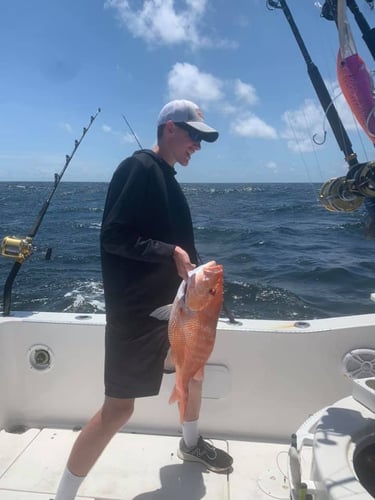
x=213, y=458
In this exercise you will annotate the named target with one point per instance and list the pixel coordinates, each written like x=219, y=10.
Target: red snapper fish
x=354, y=78
x=193, y=318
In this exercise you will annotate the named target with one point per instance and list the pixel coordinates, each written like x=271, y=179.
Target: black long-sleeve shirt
x=146, y=216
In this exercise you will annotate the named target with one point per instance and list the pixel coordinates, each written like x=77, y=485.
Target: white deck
x=139, y=467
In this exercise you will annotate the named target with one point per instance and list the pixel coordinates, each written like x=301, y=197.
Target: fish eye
x=212, y=291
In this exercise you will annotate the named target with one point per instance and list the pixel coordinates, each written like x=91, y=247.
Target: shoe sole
x=192, y=458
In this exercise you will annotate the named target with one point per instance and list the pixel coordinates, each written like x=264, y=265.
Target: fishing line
x=371, y=114
x=299, y=149
x=316, y=157
x=359, y=134
x=284, y=474
x=314, y=137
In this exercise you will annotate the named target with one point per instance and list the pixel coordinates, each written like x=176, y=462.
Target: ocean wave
x=86, y=297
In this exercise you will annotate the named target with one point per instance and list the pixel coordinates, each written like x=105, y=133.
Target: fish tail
x=180, y=395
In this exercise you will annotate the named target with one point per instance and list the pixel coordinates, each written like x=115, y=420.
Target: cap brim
x=209, y=134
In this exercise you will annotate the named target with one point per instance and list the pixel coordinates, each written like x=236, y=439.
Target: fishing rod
x=368, y=34
x=20, y=249
x=225, y=308
x=343, y=193
x=132, y=131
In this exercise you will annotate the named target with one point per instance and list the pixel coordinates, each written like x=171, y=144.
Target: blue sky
x=60, y=60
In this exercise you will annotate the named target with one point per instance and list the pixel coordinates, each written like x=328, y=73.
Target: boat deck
x=138, y=467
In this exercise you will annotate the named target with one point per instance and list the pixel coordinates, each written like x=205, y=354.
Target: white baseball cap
x=184, y=111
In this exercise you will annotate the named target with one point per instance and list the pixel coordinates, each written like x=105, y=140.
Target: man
x=147, y=246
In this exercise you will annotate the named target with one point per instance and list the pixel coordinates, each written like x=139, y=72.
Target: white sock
x=190, y=433
x=69, y=485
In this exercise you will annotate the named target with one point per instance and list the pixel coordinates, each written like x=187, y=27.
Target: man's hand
x=182, y=261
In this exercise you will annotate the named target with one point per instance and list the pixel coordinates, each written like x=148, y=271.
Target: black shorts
x=134, y=358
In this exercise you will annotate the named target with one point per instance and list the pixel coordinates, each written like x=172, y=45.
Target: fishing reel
x=337, y=195
x=345, y=194
x=329, y=10
x=16, y=248
x=363, y=176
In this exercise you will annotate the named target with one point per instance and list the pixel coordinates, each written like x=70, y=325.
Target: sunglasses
x=194, y=135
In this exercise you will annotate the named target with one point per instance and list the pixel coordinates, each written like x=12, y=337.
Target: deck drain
x=40, y=357
x=301, y=324
x=17, y=429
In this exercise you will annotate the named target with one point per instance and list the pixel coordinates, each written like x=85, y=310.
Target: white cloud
x=160, y=21
x=125, y=138
x=186, y=81
x=67, y=127
x=245, y=92
x=251, y=125
x=271, y=165
x=128, y=138
x=246, y=123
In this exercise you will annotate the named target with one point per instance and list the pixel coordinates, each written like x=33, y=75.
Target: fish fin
x=174, y=396
x=181, y=398
x=162, y=313
x=199, y=374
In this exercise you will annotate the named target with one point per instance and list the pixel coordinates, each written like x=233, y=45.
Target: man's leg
x=192, y=446
x=193, y=406
x=190, y=431
x=91, y=442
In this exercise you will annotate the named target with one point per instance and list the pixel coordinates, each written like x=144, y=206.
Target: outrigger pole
x=132, y=131
x=21, y=248
x=368, y=34
x=343, y=193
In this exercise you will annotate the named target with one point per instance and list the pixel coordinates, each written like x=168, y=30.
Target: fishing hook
x=320, y=143
x=314, y=138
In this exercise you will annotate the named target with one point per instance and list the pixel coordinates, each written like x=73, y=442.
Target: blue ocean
x=284, y=255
